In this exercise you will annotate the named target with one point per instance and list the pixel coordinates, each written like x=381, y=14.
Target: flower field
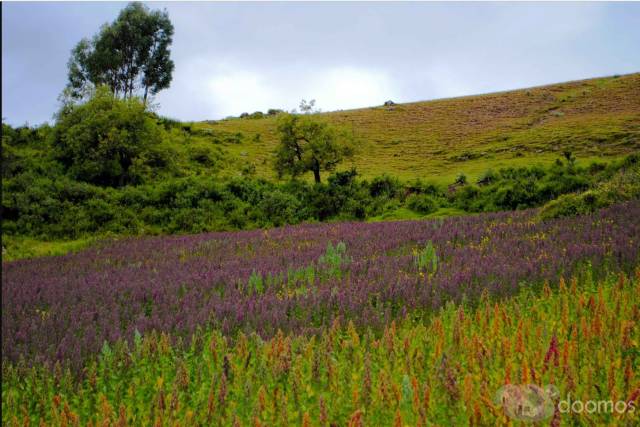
x=405, y=323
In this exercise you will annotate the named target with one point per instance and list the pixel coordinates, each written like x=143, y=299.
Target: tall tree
x=307, y=144
x=131, y=55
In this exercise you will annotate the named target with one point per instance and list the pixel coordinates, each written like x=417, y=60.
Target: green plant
x=461, y=179
x=307, y=145
x=426, y=259
x=256, y=283
x=422, y=203
x=103, y=140
x=334, y=259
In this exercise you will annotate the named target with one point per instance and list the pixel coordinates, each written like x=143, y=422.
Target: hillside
x=594, y=118
x=178, y=185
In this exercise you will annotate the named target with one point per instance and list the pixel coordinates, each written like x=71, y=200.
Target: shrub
x=422, y=203
x=623, y=186
x=461, y=179
x=203, y=155
x=384, y=185
x=169, y=123
x=487, y=178
x=280, y=208
x=100, y=141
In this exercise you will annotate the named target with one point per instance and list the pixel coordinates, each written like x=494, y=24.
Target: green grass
x=595, y=119
x=406, y=214
x=24, y=247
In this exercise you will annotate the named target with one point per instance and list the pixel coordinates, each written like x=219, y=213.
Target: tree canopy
x=307, y=144
x=131, y=55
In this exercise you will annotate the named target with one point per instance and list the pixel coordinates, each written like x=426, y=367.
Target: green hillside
x=595, y=118
x=529, y=146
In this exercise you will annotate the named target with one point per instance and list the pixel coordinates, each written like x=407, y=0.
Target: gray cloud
x=235, y=57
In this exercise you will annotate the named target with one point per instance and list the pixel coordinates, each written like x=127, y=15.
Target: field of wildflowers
x=405, y=323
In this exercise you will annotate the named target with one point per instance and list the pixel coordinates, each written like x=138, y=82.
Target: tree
x=309, y=145
x=105, y=140
x=130, y=55
x=308, y=107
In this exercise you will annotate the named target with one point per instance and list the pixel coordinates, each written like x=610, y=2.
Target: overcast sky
x=236, y=57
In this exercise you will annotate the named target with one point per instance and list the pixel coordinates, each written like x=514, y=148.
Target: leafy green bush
x=280, y=208
x=103, y=140
x=204, y=155
x=422, y=203
x=461, y=179
x=623, y=186
x=384, y=185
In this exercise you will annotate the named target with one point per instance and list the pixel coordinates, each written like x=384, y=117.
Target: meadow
x=595, y=119
x=392, y=323
x=511, y=285
x=462, y=261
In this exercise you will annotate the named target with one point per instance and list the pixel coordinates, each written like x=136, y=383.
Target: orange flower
x=356, y=419
x=467, y=389
x=519, y=339
x=306, y=420
x=507, y=373
x=426, y=398
x=398, y=419
x=574, y=285
x=506, y=348
x=416, y=394
x=525, y=372
x=565, y=354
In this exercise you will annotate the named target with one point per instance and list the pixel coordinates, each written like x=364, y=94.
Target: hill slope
x=593, y=118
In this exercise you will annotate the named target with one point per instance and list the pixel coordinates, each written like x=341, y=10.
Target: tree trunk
x=316, y=172
x=144, y=101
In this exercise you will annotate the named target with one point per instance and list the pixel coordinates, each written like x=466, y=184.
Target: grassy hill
x=596, y=118
x=182, y=186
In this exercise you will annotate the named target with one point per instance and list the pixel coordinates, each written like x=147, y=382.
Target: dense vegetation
x=283, y=279
x=451, y=370
x=402, y=323
x=108, y=166
x=175, y=317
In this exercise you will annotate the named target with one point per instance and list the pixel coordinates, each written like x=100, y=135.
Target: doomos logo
x=527, y=402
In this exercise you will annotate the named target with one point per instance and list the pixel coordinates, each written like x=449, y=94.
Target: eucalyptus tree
x=131, y=55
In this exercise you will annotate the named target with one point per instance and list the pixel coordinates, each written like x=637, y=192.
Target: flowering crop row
x=579, y=337
x=65, y=308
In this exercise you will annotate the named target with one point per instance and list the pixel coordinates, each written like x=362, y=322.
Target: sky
x=244, y=57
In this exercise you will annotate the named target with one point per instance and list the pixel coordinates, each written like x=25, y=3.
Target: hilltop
x=595, y=119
